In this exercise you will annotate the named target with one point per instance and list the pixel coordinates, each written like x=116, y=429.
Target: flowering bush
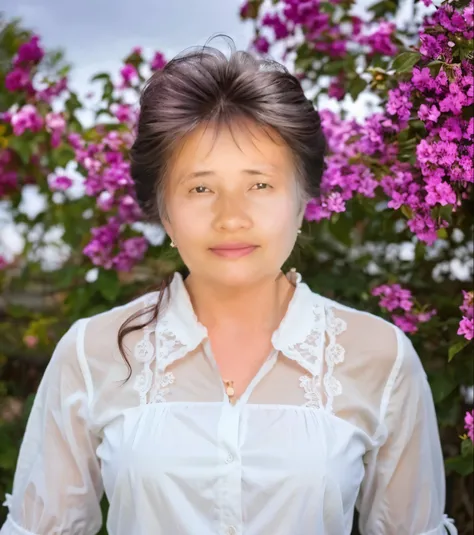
x=391, y=231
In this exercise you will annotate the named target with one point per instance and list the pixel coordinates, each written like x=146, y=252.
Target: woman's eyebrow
x=267, y=170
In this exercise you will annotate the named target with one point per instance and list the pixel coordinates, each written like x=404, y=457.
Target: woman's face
x=233, y=212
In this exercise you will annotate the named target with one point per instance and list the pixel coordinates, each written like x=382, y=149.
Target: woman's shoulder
x=114, y=316
x=365, y=334
x=98, y=333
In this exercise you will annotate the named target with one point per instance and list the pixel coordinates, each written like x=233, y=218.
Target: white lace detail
x=153, y=386
x=160, y=388
x=310, y=385
x=170, y=347
x=334, y=354
x=144, y=353
x=310, y=349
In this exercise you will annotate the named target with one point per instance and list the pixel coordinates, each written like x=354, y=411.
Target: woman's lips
x=233, y=251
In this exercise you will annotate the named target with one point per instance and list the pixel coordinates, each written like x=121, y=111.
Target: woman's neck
x=242, y=309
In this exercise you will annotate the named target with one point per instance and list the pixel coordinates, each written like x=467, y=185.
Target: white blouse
x=339, y=416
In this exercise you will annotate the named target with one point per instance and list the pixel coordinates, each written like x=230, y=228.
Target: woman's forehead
x=247, y=143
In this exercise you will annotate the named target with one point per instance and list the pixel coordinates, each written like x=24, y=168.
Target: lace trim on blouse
x=334, y=354
x=153, y=386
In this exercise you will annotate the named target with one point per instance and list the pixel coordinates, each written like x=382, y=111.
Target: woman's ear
x=167, y=227
x=301, y=213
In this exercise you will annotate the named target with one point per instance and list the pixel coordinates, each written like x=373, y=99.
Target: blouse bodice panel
x=340, y=415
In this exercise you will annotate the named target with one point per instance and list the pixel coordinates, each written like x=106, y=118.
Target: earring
x=298, y=231
x=172, y=244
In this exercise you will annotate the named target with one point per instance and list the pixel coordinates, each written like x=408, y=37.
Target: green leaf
x=334, y=67
x=442, y=234
x=456, y=348
x=63, y=155
x=442, y=385
x=380, y=9
x=73, y=103
x=406, y=211
x=356, y=87
x=467, y=448
x=405, y=61
x=21, y=146
x=100, y=76
x=109, y=285
x=462, y=465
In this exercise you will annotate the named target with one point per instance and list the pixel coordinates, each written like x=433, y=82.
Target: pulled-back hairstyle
x=204, y=86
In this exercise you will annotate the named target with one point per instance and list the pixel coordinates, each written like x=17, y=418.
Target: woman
x=251, y=405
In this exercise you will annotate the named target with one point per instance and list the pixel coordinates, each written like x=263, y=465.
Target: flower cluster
x=28, y=56
x=466, y=326
x=442, y=173
x=20, y=77
x=103, y=161
x=395, y=298
x=108, y=250
x=469, y=424
x=108, y=180
x=346, y=174
x=56, y=125
x=26, y=118
x=323, y=32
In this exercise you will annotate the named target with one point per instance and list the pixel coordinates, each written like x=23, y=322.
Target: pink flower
x=30, y=341
x=100, y=248
x=129, y=75
x=26, y=118
x=18, y=79
x=261, y=45
x=60, y=183
x=469, y=424
x=466, y=328
x=439, y=192
x=29, y=53
x=135, y=247
x=55, y=124
x=429, y=114
x=380, y=41
x=123, y=112
x=53, y=90
x=336, y=89
x=468, y=304
x=394, y=296
x=158, y=61
x=8, y=182
x=105, y=201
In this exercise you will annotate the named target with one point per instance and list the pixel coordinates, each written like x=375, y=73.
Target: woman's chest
x=196, y=446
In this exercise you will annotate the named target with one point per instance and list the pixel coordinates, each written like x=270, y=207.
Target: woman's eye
x=261, y=185
x=200, y=189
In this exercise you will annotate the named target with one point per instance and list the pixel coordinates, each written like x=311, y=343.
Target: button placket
x=230, y=486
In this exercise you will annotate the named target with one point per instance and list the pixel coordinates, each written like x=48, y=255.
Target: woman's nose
x=231, y=214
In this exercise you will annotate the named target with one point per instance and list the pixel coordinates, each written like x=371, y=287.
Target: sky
x=97, y=34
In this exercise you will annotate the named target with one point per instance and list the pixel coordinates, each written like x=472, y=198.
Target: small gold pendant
x=229, y=388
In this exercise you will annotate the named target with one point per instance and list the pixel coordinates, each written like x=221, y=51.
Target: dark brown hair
x=203, y=86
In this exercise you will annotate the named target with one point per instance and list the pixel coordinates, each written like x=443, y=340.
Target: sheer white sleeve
x=57, y=486
x=403, y=492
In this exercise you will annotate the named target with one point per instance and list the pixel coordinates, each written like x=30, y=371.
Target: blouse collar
x=298, y=337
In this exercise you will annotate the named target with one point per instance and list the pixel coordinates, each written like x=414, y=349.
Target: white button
x=231, y=530
x=229, y=458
